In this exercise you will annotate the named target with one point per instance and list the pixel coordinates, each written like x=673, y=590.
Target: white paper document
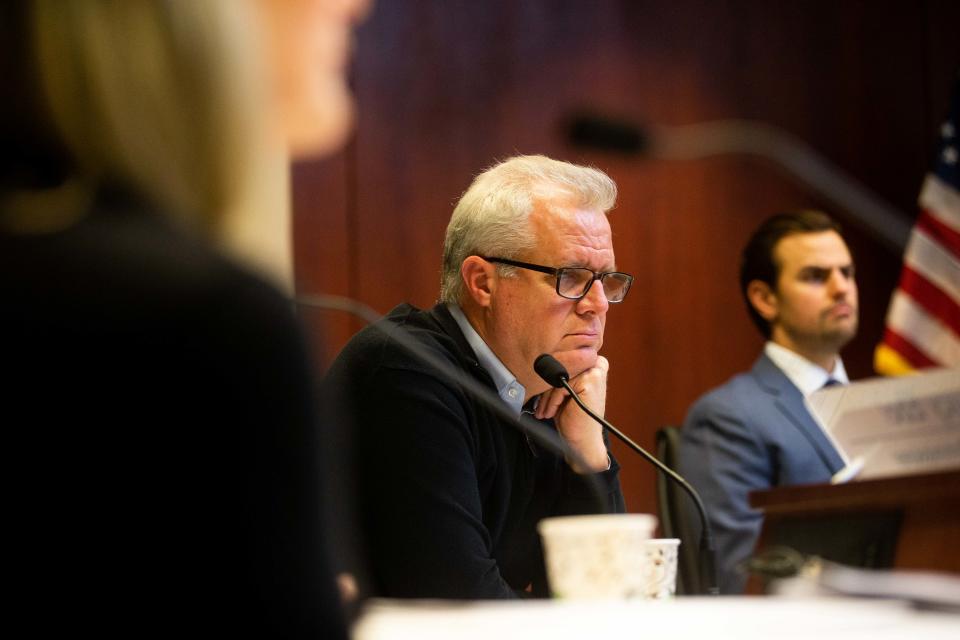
x=893, y=426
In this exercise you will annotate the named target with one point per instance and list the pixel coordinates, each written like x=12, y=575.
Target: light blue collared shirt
x=511, y=391
x=805, y=375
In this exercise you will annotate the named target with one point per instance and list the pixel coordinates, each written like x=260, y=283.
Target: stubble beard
x=835, y=338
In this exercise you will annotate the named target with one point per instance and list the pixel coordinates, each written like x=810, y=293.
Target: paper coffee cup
x=597, y=556
x=660, y=571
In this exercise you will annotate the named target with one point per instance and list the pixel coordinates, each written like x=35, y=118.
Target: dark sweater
x=449, y=496
x=161, y=439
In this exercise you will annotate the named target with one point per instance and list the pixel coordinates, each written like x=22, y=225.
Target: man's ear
x=479, y=279
x=764, y=299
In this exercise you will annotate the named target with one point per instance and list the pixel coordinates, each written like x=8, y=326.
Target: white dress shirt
x=804, y=375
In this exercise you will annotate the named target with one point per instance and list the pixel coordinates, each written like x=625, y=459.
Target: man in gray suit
x=754, y=432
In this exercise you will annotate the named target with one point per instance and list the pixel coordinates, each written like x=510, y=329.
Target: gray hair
x=492, y=216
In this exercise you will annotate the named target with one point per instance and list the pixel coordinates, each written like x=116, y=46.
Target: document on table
x=893, y=426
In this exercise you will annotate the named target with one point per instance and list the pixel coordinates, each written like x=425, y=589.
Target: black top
x=449, y=496
x=161, y=438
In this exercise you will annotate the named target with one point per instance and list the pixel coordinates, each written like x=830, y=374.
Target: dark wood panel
x=323, y=249
x=922, y=513
x=446, y=87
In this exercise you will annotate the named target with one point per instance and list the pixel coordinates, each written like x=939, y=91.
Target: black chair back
x=677, y=513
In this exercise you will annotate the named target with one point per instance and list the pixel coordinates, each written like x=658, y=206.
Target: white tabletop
x=700, y=618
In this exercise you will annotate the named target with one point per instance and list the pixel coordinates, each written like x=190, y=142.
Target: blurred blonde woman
x=161, y=426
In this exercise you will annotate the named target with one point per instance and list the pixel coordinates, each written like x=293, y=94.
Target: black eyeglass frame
x=557, y=272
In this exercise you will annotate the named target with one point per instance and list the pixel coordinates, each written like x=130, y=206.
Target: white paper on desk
x=894, y=426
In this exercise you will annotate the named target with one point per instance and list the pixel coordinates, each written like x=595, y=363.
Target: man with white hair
x=449, y=494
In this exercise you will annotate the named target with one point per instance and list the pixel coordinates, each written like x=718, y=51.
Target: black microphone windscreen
x=550, y=369
x=593, y=131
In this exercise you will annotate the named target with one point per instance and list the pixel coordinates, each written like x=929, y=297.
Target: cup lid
x=664, y=542
x=596, y=523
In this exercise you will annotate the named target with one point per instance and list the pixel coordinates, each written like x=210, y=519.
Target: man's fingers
x=550, y=402
x=596, y=375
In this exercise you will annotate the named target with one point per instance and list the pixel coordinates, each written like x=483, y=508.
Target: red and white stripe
x=923, y=322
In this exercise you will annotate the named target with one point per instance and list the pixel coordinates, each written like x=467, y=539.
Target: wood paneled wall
x=445, y=87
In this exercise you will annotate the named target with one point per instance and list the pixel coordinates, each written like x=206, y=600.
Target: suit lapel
x=789, y=401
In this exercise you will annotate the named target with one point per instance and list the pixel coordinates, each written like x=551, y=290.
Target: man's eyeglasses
x=574, y=283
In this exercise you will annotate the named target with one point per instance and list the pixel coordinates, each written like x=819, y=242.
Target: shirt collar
x=806, y=376
x=509, y=390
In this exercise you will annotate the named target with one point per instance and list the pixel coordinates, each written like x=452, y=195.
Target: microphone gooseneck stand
x=751, y=138
x=555, y=374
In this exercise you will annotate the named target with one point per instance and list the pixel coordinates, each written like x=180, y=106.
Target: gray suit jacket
x=752, y=433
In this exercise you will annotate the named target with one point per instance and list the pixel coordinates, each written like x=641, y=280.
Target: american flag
x=923, y=321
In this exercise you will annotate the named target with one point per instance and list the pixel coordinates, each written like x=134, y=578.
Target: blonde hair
x=491, y=217
x=160, y=96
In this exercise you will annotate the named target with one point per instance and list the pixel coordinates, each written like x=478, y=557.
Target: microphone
x=551, y=370
x=590, y=130
x=555, y=374
x=530, y=428
x=595, y=132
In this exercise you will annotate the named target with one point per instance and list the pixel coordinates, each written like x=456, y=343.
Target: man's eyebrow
x=823, y=272
x=581, y=264
x=827, y=267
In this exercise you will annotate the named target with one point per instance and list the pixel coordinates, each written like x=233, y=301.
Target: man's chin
x=839, y=337
x=577, y=361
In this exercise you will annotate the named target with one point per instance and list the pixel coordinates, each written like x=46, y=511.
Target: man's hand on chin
x=580, y=431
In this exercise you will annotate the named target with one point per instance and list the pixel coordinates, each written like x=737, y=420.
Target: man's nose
x=595, y=300
x=840, y=283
